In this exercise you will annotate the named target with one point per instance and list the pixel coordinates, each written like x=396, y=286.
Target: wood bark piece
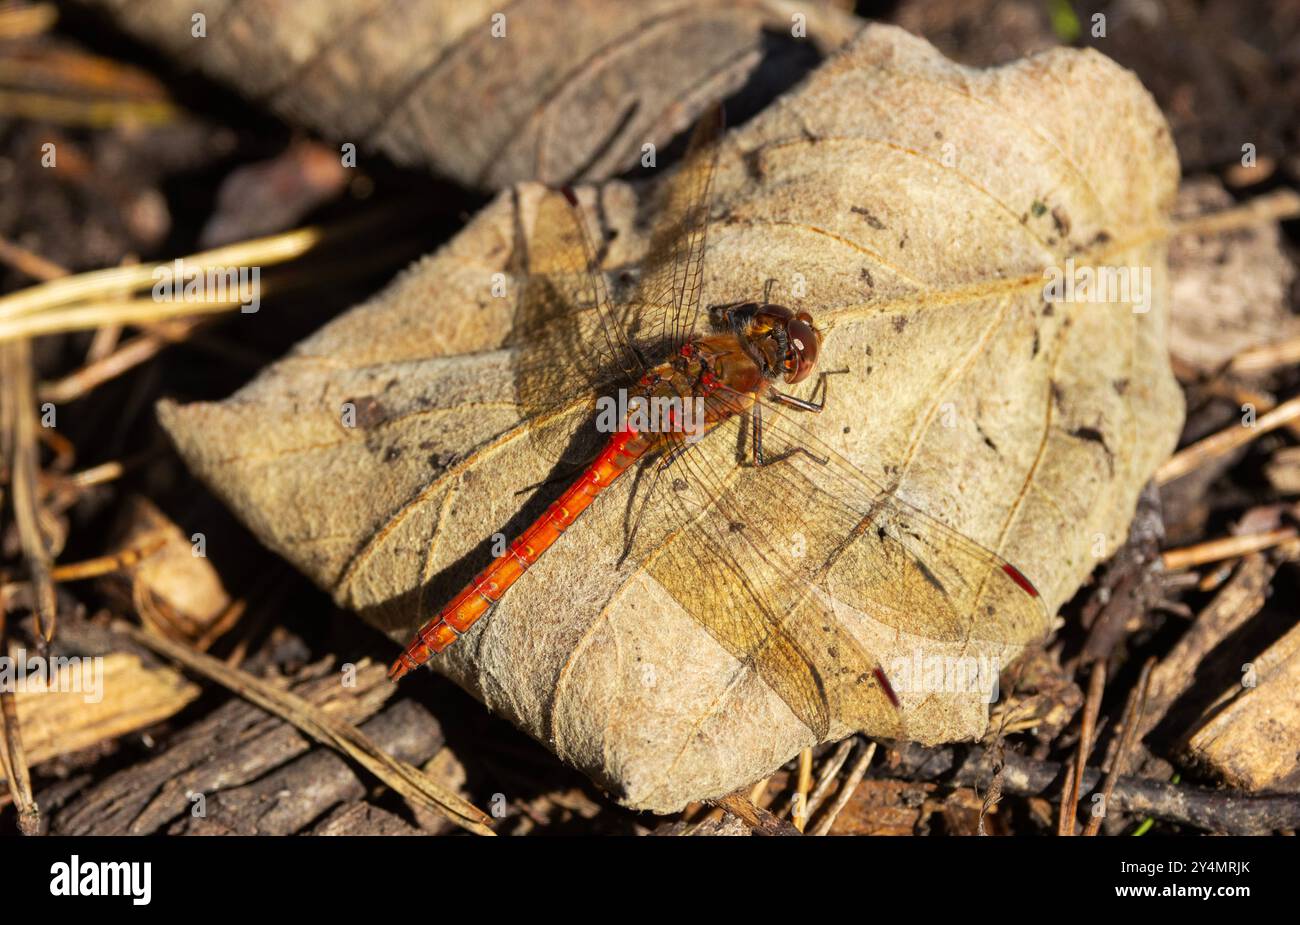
x=1236, y=603
x=132, y=696
x=236, y=744
x=1228, y=812
x=326, y=729
x=363, y=819
x=914, y=207
x=290, y=798
x=1251, y=736
x=572, y=90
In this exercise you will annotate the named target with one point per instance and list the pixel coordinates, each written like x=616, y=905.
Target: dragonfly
x=771, y=540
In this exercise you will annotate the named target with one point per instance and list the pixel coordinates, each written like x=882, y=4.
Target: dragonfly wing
x=895, y=563
x=570, y=341
x=711, y=584
x=739, y=572
x=668, y=296
x=806, y=568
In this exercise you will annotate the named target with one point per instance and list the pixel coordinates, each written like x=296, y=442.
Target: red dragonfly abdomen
x=477, y=598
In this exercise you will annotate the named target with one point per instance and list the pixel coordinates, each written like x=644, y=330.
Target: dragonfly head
x=803, y=340
x=787, y=339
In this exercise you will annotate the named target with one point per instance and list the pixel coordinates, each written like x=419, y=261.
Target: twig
x=111, y=283
x=760, y=821
x=1088, y=728
x=1227, y=387
x=1231, y=812
x=93, y=113
x=1231, y=547
x=1276, y=206
x=13, y=757
x=803, y=784
x=850, y=786
x=1265, y=357
x=127, y=356
x=25, y=261
x=20, y=418
x=154, y=316
x=1132, y=720
x=830, y=771
x=106, y=565
x=107, y=359
x=1225, y=441
x=404, y=778
x=13, y=761
x=1232, y=606
x=87, y=315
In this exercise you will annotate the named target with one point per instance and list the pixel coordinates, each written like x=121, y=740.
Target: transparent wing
x=795, y=566
x=570, y=341
x=667, y=300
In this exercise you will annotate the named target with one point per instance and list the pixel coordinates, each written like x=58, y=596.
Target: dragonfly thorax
x=784, y=343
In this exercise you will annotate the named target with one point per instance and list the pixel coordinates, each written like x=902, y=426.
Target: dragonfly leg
x=720, y=314
x=761, y=459
x=767, y=290
x=672, y=456
x=808, y=404
x=631, y=526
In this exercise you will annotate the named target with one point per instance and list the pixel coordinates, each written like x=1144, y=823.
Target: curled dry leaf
x=1229, y=292
x=913, y=206
x=553, y=90
x=170, y=583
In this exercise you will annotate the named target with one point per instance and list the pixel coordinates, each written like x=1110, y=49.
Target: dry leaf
x=1228, y=292
x=571, y=91
x=918, y=203
x=187, y=587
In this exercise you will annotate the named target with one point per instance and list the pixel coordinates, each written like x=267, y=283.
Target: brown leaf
x=913, y=206
x=571, y=91
x=1229, y=292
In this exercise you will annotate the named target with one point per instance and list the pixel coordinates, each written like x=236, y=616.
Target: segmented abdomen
x=476, y=598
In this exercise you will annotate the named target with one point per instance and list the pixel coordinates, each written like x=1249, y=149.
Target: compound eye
x=801, y=355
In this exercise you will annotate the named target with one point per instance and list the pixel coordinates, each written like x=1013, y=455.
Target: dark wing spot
x=930, y=577
x=988, y=441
